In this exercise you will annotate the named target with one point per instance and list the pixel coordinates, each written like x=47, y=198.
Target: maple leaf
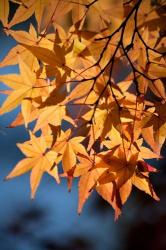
x=39, y=160
x=108, y=193
x=86, y=184
x=22, y=86
x=142, y=182
x=69, y=148
x=52, y=115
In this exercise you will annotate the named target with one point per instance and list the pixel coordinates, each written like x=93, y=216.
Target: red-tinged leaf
x=69, y=181
x=145, y=167
x=69, y=176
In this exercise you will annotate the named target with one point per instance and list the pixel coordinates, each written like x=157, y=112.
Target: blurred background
x=51, y=222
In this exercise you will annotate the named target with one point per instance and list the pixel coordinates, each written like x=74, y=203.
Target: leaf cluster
x=91, y=79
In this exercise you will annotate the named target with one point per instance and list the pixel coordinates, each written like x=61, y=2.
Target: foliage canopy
x=91, y=82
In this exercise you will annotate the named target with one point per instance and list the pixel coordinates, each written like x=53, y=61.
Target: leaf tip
x=32, y=196
x=6, y=178
x=79, y=210
x=156, y=197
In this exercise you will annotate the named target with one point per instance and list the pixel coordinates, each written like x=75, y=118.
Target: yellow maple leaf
x=39, y=160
